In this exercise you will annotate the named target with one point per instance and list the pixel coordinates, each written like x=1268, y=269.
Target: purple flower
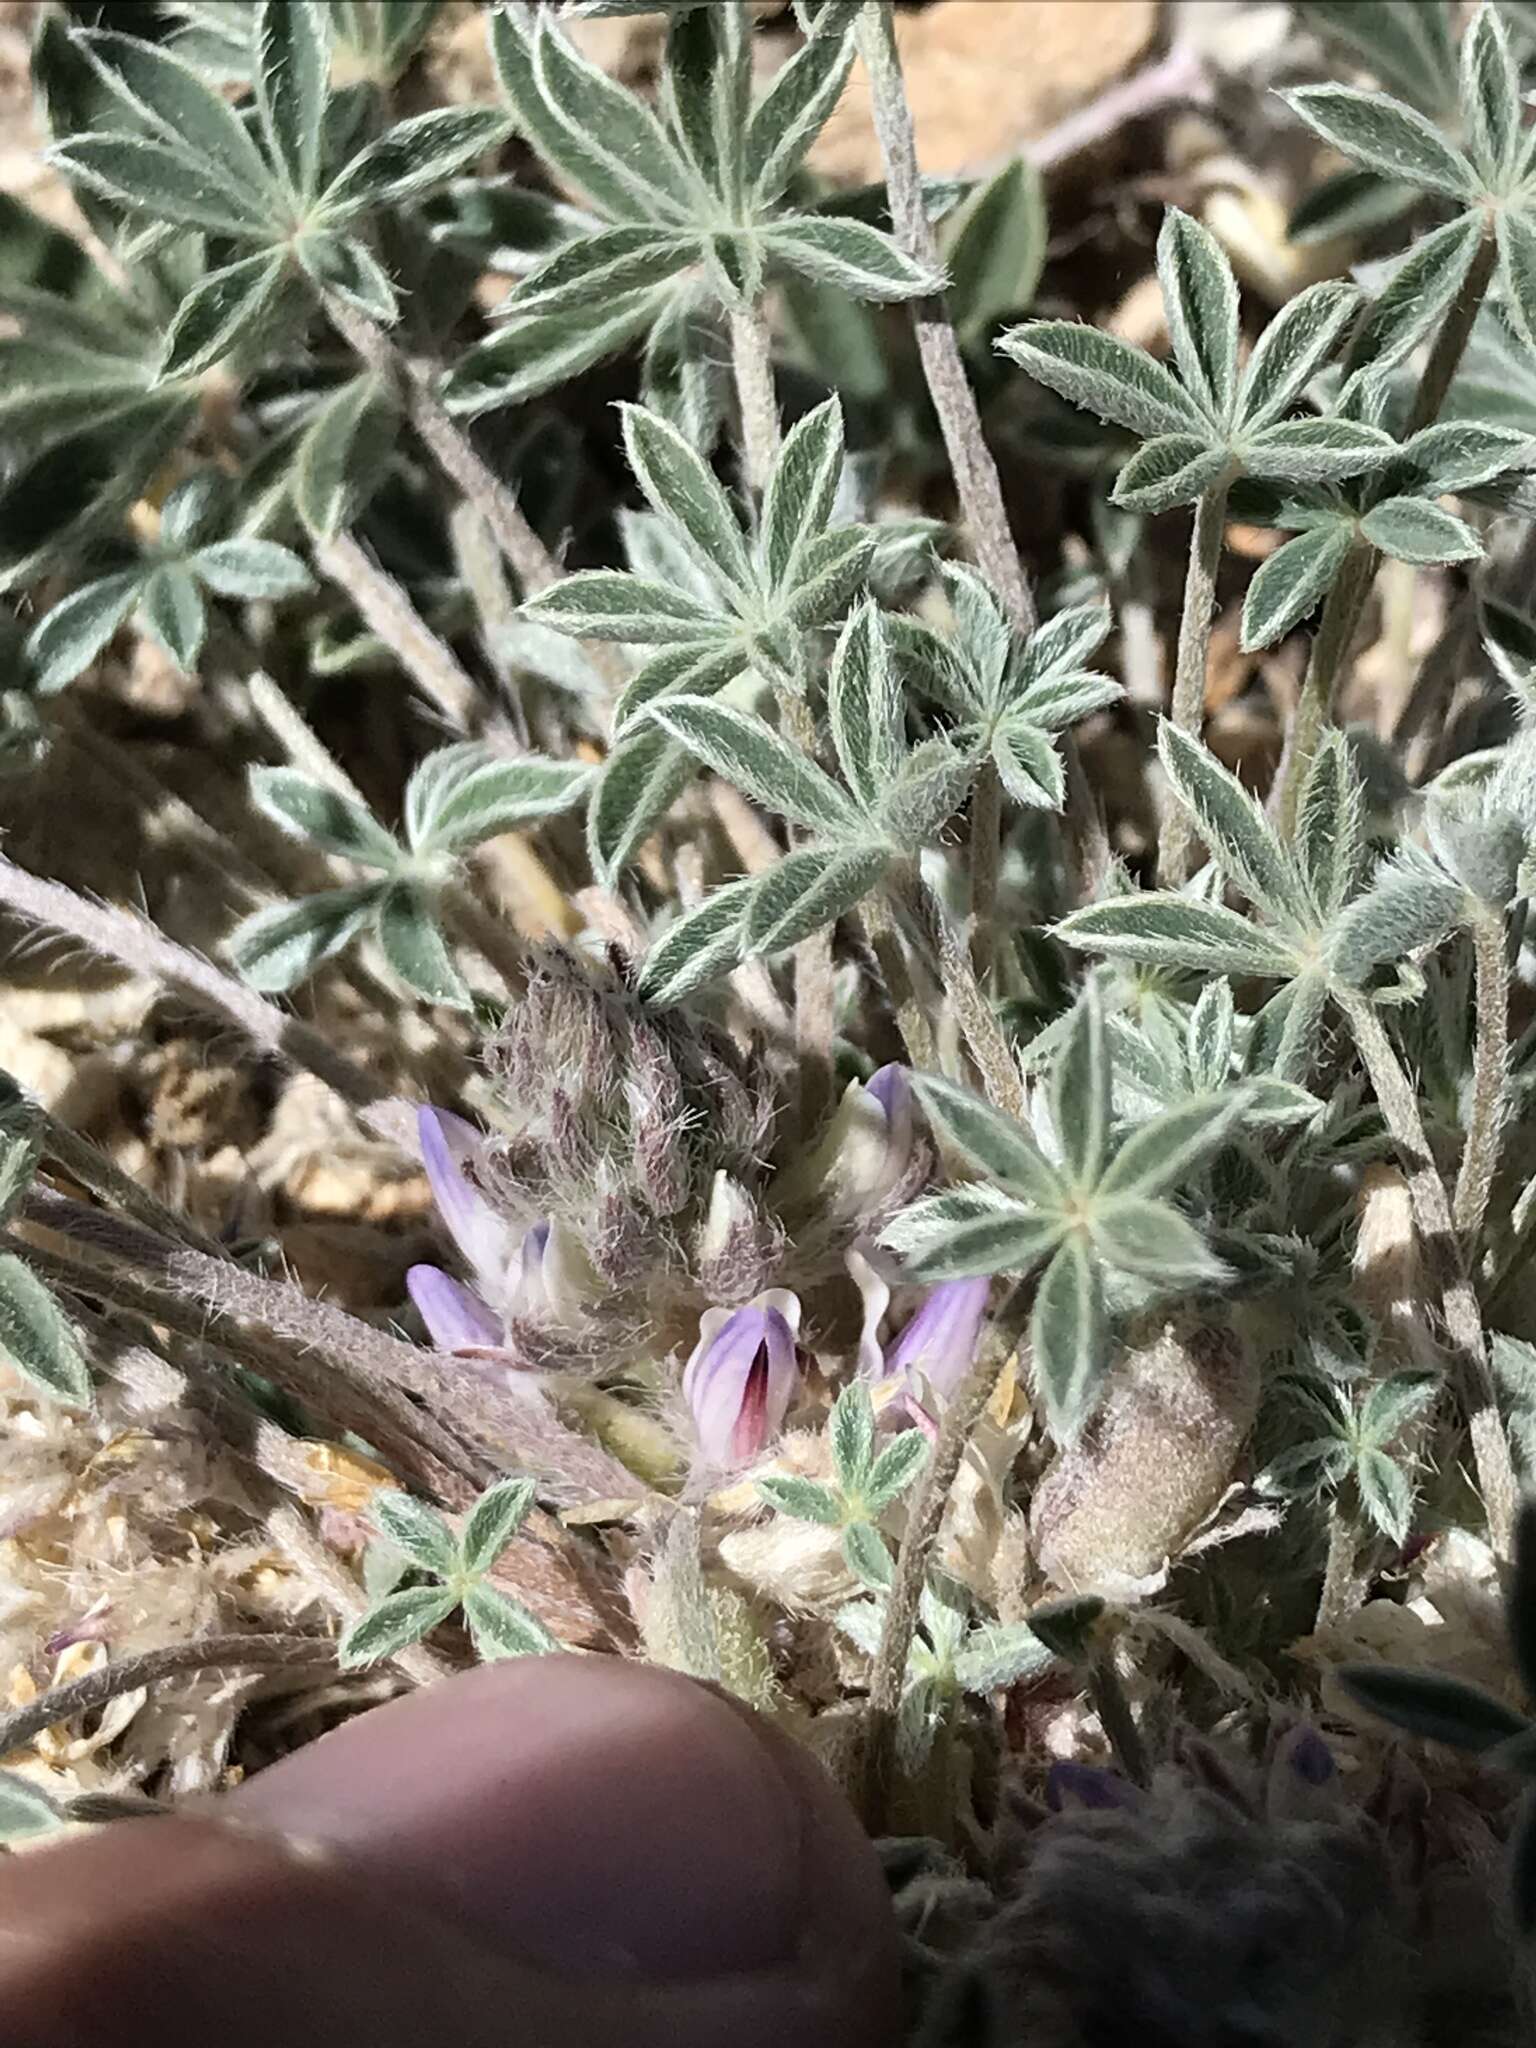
x=865, y=1153
x=535, y=1272
x=742, y=1377
x=936, y=1345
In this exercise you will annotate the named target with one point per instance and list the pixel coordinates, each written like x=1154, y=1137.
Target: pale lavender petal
x=891, y=1087
x=456, y=1319
x=940, y=1340
x=740, y=1382
x=448, y=1145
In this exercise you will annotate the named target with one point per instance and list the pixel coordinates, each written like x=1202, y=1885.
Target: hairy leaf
x=36, y=1340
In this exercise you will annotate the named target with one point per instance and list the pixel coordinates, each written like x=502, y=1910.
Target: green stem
x=1336, y=632
x=1341, y=1592
x=1451, y=341
x=1459, y=1305
x=1490, y=1064
x=911, y=1018
x=815, y=978
x=1176, y=838
x=957, y=976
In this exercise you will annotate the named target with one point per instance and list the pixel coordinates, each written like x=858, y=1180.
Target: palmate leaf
x=641, y=780
x=323, y=817
x=1080, y=1091
x=1152, y=1241
x=178, y=106
x=1200, y=295
x=864, y=707
x=846, y=254
x=1292, y=349
x=1418, y=531
x=1106, y=376
x=1373, y=129
x=996, y=1143
x=801, y=491
x=276, y=948
x=1293, y=582
x=806, y=890
x=36, y=1340
x=1490, y=97
x=68, y=638
x=494, y=1520
x=790, y=115
x=1241, y=839
x=704, y=943
x=473, y=795
x=411, y=940
x=292, y=48
x=746, y=751
x=683, y=490
x=1166, y=929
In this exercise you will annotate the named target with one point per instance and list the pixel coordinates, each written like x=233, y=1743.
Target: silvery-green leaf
x=638, y=784
x=1385, y=1494
x=1490, y=96
x=1434, y=1708
x=1458, y=455
x=411, y=940
x=1210, y=1037
x=683, y=490
x=529, y=356
x=1062, y=643
x=1417, y=530
x=1200, y=297
x=71, y=634
x=1152, y=1241
x=896, y=1468
x=607, y=604
x=1285, y=1037
x=704, y=942
x=340, y=264
x=36, y=1339
x=1160, y=1153
x=631, y=176
x=416, y=1530
x=181, y=107
x=994, y=245
x=791, y=113
x=1068, y=1339
x=1422, y=287
x=746, y=751
x=851, y=1436
x=1028, y=766
x=969, y=1233
x=1390, y=1407
x=860, y=1621
x=1405, y=43
x=493, y=794
x=292, y=45
x=1171, y=470
x=1375, y=130
x=826, y=574
x=688, y=671
x=171, y=608
x=1316, y=451
x=1294, y=346
x=344, y=454
x=1062, y=699
x=931, y=785
x=493, y=1521
x=1105, y=375
x=847, y=254
x=1232, y=823
x=803, y=1500
x=393, y=1624
x=500, y=1627
x=1407, y=907
x=801, y=491
x=1330, y=826
x=705, y=88
x=998, y=1656
x=153, y=177
x=277, y=947
x=809, y=889
x=866, y=1556
x=918, y=1721
x=864, y=706
x=998, y=1144
x=250, y=569
x=735, y=265
x=412, y=157
x=26, y=1809
x=593, y=269
x=1293, y=582
x=322, y=816
x=1079, y=1094
x=1165, y=929
x=1517, y=267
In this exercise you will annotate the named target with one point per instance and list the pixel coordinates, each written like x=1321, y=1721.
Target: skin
x=560, y=1851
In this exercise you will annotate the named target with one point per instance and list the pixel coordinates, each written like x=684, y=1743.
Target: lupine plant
x=933, y=1181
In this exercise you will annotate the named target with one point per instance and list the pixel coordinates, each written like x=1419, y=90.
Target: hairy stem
x=815, y=983
x=136, y=944
x=1341, y=1583
x=480, y=928
x=1459, y=1306
x=1336, y=631
x=752, y=362
x=172, y=1660
x=1455, y=332
x=1176, y=836
x=911, y=1017
x=964, y=1410
x=388, y=611
x=104, y=1178
x=986, y=859
x=978, y=1020
x=1490, y=1065
x=531, y=562
x=1116, y=1718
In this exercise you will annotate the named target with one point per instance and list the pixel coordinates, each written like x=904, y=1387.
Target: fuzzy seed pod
x=1117, y=1506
